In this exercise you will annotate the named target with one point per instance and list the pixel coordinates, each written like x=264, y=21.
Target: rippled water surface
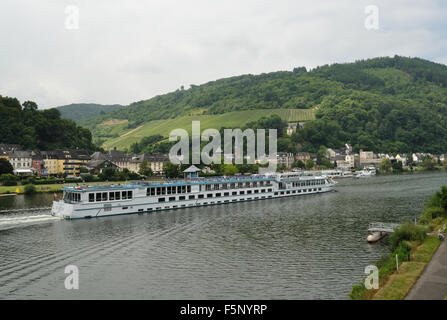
x=306, y=247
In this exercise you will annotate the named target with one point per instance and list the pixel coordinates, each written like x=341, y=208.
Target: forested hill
x=80, y=111
x=384, y=104
x=33, y=129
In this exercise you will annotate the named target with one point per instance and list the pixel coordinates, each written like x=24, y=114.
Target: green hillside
x=164, y=127
x=385, y=104
x=80, y=111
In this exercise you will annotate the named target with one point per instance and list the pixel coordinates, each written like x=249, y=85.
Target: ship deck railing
x=177, y=182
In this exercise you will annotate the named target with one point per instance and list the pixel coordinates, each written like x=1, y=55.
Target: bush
x=439, y=199
x=358, y=292
x=29, y=180
x=30, y=189
x=47, y=181
x=91, y=178
x=403, y=251
x=407, y=232
x=431, y=213
x=73, y=180
x=8, y=179
x=9, y=183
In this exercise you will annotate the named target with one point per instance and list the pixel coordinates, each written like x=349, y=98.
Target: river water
x=305, y=247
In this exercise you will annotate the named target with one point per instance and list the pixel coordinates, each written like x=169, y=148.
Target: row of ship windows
x=224, y=186
x=124, y=195
x=168, y=190
x=109, y=196
x=211, y=195
x=296, y=191
x=308, y=183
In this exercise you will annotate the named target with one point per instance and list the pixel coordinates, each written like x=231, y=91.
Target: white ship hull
x=140, y=202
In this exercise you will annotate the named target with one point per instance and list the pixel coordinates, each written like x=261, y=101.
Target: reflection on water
x=308, y=247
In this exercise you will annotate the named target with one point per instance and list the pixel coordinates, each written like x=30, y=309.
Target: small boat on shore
x=376, y=236
x=380, y=230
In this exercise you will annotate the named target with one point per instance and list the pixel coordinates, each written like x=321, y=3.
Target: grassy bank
x=400, y=282
x=414, y=250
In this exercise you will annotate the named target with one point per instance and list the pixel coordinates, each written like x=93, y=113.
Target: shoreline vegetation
x=414, y=245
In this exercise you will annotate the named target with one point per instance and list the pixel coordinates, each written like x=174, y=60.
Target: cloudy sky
x=126, y=51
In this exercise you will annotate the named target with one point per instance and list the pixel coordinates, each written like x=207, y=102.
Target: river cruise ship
x=115, y=199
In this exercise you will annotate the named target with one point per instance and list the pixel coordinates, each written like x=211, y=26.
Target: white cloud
x=125, y=51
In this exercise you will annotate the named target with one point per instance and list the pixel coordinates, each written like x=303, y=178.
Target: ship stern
x=62, y=210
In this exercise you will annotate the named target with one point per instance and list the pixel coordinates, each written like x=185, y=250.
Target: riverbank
x=414, y=250
x=433, y=282
x=399, y=284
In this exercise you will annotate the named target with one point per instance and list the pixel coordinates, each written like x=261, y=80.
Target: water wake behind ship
x=22, y=220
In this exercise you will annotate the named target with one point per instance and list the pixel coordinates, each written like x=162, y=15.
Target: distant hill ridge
x=383, y=104
x=80, y=111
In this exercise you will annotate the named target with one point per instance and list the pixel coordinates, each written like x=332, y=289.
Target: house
x=53, y=162
x=291, y=128
x=344, y=163
x=348, y=161
x=331, y=154
x=367, y=159
x=302, y=156
x=5, y=149
x=402, y=158
x=94, y=166
x=417, y=157
x=65, y=161
x=119, y=158
x=38, y=165
x=285, y=158
x=21, y=162
x=74, y=160
x=154, y=160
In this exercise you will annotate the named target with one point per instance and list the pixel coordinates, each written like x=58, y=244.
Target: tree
x=309, y=164
x=322, y=154
x=30, y=189
x=281, y=167
x=230, y=170
x=385, y=165
x=428, y=163
x=8, y=179
x=298, y=164
x=145, y=169
x=171, y=170
x=83, y=170
x=397, y=167
x=37, y=128
x=5, y=166
x=107, y=173
x=29, y=106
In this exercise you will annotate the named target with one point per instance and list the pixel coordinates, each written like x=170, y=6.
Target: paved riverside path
x=432, y=285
